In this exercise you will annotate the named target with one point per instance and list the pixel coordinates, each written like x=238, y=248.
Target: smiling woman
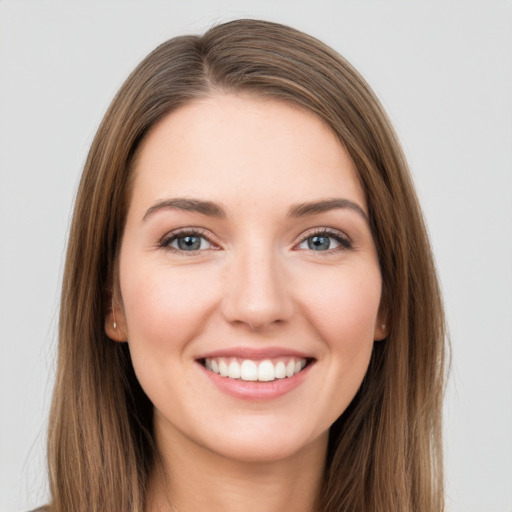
x=260, y=291
x=251, y=318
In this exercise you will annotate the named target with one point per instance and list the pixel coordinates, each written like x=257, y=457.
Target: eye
x=325, y=241
x=187, y=241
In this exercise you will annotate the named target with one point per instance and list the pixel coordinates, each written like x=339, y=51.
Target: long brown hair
x=385, y=451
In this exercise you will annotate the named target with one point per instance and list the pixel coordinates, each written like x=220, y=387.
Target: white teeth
x=249, y=370
x=290, y=368
x=266, y=371
x=223, y=368
x=234, y=370
x=280, y=370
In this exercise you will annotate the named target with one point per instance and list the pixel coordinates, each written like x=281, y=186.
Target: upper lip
x=254, y=353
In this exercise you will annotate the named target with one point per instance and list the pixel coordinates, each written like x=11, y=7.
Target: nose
x=257, y=293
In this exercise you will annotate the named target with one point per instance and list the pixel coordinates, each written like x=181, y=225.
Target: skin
x=255, y=282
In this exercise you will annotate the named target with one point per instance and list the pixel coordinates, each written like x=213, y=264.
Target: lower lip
x=254, y=390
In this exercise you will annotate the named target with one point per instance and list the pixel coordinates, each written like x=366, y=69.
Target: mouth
x=253, y=370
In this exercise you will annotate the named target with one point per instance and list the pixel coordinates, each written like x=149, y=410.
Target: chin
x=268, y=445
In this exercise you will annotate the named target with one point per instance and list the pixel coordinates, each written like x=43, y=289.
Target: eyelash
x=165, y=242
x=344, y=242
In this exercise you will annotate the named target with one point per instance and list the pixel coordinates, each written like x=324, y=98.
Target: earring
x=114, y=325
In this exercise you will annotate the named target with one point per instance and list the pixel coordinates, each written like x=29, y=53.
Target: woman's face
x=249, y=279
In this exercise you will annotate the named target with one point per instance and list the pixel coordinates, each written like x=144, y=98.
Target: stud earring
x=114, y=325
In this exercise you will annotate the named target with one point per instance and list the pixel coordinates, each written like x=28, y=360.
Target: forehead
x=243, y=146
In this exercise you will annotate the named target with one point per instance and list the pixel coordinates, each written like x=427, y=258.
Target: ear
x=115, y=322
x=381, y=326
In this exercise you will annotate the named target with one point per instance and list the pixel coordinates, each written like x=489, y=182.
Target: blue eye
x=321, y=243
x=187, y=242
x=324, y=241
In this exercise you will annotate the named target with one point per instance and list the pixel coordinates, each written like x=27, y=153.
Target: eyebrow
x=315, y=207
x=208, y=208
x=212, y=209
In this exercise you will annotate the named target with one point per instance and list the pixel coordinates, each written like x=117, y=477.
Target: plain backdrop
x=442, y=70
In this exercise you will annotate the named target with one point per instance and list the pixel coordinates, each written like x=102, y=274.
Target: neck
x=189, y=478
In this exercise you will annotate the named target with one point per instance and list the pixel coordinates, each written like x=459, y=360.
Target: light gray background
x=443, y=71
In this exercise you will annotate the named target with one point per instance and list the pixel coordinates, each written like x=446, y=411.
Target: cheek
x=343, y=307
x=345, y=303
x=165, y=308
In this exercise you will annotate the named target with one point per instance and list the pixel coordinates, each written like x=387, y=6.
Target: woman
x=250, y=313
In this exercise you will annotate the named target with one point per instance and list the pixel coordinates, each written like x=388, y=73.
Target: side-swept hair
x=385, y=451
